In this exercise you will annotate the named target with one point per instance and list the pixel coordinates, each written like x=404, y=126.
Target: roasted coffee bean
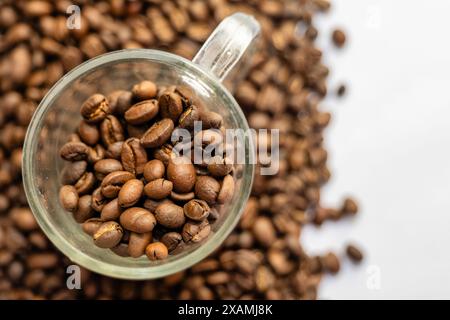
x=164, y=153
x=156, y=251
x=105, y=166
x=111, y=130
x=264, y=232
x=68, y=197
x=171, y=105
x=44, y=260
x=331, y=262
x=151, y=205
x=91, y=226
x=74, y=151
x=197, y=210
x=138, y=220
x=170, y=215
x=349, y=207
x=142, y=112
x=112, y=183
x=120, y=101
x=154, y=169
x=121, y=250
x=182, y=173
x=158, y=134
x=158, y=189
x=196, y=231
x=226, y=190
x=188, y=117
x=182, y=197
x=88, y=133
x=207, y=188
x=339, y=38
x=112, y=210
x=354, y=253
x=108, y=235
x=84, y=210
x=73, y=171
x=23, y=219
x=96, y=153
x=130, y=193
x=219, y=166
x=171, y=240
x=95, y=108
x=211, y=119
x=133, y=156
x=144, y=90
x=98, y=200
x=114, y=150
x=138, y=242
x=85, y=184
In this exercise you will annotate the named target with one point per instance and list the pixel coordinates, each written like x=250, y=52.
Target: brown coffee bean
x=264, y=232
x=196, y=231
x=354, y=253
x=119, y=101
x=98, y=200
x=226, y=190
x=111, y=130
x=73, y=171
x=170, y=105
x=111, y=210
x=114, y=150
x=44, y=260
x=108, y=235
x=138, y=220
x=219, y=166
x=85, y=184
x=138, y=242
x=96, y=153
x=158, y=134
x=197, y=210
x=339, y=38
x=182, y=173
x=170, y=215
x=68, y=197
x=121, y=250
x=106, y=166
x=211, y=119
x=171, y=240
x=84, y=210
x=88, y=133
x=188, y=117
x=182, y=197
x=74, y=151
x=158, y=189
x=349, y=207
x=156, y=251
x=130, y=193
x=164, y=153
x=91, y=225
x=331, y=262
x=23, y=219
x=112, y=183
x=133, y=156
x=151, y=205
x=207, y=188
x=154, y=169
x=95, y=108
x=142, y=112
x=144, y=90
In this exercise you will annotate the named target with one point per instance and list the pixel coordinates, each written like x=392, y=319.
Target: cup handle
x=227, y=44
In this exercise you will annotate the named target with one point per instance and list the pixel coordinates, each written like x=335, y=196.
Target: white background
x=389, y=145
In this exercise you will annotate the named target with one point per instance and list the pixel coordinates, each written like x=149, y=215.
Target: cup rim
x=75, y=254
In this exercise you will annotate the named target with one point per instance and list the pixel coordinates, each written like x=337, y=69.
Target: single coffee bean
x=23, y=219
x=112, y=183
x=151, y=205
x=133, y=156
x=197, y=210
x=105, y=166
x=142, y=112
x=144, y=90
x=120, y=101
x=170, y=105
x=158, y=189
x=108, y=235
x=156, y=251
x=349, y=207
x=98, y=200
x=138, y=220
x=91, y=225
x=211, y=119
x=74, y=151
x=207, y=188
x=170, y=215
x=138, y=242
x=158, y=133
x=85, y=184
x=84, y=210
x=95, y=108
x=339, y=38
x=330, y=262
x=136, y=131
x=88, y=133
x=208, y=137
x=354, y=253
x=195, y=231
x=68, y=197
x=154, y=169
x=130, y=193
x=114, y=150
x=73, y=171
x=226, y=190
x=264, y=231
x=164, y=153
x=171, y=240
x=219, y=166
x=188, y=117
x=182, y=197
x=111, y=130
x=96, y=153
x=182, y=173
x=121, y=250
x=111, y=210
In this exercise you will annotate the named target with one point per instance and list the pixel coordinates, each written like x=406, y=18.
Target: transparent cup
x=58, y=116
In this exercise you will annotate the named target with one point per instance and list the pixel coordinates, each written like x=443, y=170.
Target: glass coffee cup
x=58, y=116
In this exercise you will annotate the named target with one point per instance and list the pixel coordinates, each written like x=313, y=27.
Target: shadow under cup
x=58, y=116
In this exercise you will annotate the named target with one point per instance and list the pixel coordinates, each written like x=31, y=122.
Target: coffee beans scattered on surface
x=282, y=90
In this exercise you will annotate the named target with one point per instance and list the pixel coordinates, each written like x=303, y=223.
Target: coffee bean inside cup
x=134, y=195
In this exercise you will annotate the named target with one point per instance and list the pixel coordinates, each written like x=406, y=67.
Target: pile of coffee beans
x=128, y=188
x=263, y=257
